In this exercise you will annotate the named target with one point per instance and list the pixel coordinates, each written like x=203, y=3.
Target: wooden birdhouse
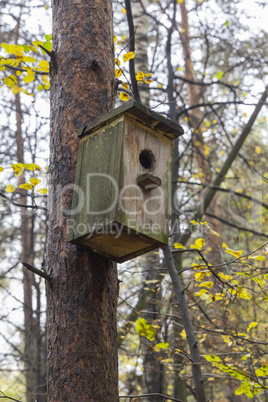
x=122, y=193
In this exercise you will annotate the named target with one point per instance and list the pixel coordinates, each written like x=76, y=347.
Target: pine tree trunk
x=82, y=295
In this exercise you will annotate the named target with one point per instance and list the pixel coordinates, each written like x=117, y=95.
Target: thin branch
x=4, y=396
x=17, y=204
x=167, y=398
x=25, y=71
x=227, y=164
x=132, y=49
x=36, y=271
x=224, y=190
x=235, y=226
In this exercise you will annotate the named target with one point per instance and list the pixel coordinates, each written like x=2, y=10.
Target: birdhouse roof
x=135, y=110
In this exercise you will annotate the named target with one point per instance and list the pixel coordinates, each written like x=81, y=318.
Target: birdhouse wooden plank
x=122, y=192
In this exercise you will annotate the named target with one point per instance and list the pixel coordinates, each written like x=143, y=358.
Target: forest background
x=202, y=64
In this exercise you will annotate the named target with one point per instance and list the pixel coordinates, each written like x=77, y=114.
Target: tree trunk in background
x=26, y=255
x=141, y=42
x=82, y=294
x=153, y=369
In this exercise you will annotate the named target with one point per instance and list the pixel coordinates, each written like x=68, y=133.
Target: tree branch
x=191, y=339
x=17, y=204
x=183, y=238
x=132, y=49
x=235, y=226
x=168, y=398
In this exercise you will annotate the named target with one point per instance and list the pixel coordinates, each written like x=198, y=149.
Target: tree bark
x=82, y=295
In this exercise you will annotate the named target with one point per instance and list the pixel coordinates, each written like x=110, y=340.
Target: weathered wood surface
x=112, y=157
x=140, y=113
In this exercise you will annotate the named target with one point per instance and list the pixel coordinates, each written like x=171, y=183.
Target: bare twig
x=167, y=398
x=4, y=396
x=132, y=49
x=17, y=204
x=36, y=271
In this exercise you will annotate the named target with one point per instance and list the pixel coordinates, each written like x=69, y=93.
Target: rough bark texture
x=82, y=295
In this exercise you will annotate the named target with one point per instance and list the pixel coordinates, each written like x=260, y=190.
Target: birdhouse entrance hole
x=147, y=159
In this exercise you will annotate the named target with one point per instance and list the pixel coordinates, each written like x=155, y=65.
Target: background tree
x=22, y=128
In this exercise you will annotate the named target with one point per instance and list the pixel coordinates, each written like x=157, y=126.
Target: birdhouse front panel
x=145, y=194
x=122, y=189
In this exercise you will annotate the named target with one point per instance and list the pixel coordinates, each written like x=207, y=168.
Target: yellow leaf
x=236, y=254
x=125, y=85
x=194, y=222
x=215, y=233
x=36, y=43
x=208, y=284
x=31, y=166
x=26, y=186
x=212, y=358
x=201, y=292
x=199, y=276
x=18, y=169
x=10, y=188
x=262, y=371
x=118, y=72
x=178, y=245
x=243, y=294
x=139, y=76
x=124, y=96
x=13, y=49
x=183, y=334
x=258, y=150
x=44, y=65
x=257, y=257
x=29, y=77
x=10, y=81
x=252, y=325
x=162, y=345
x=199, y=243
x=117, y=61
x=124, y=11
x=16, y=89
x=115, y=38
x=35, y=181
x=128, y=56
x=28, y=59
x=42, y=191
x=180, y=1
x=225, y=277
x=145, y=329
x=1, y=169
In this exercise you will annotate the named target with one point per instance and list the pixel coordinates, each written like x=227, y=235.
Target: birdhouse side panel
x=98, y=177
